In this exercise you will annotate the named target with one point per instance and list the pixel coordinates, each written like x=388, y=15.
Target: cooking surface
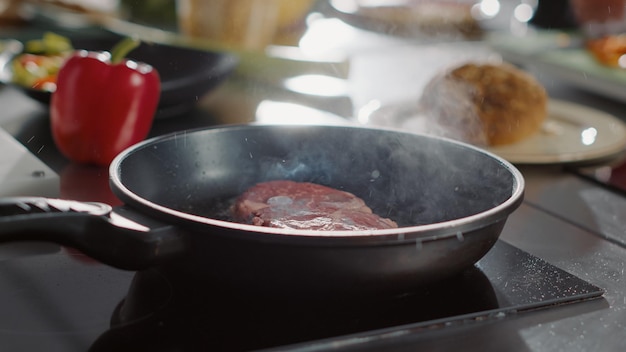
x=58, y=300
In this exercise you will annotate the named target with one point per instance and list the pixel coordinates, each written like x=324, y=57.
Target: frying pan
x=450, y=200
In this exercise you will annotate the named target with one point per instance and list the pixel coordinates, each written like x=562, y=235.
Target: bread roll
x=485, y=104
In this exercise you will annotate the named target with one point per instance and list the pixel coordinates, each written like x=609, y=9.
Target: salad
x=37, y=67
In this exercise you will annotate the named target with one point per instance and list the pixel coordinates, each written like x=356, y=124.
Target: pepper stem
x=122, y=48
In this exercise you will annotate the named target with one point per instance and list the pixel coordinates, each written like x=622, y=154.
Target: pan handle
x=118, y=237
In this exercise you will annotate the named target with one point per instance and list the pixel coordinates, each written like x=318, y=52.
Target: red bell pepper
x=103, y=104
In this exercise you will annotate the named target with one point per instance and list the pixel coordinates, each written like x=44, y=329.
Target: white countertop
x=22, y=173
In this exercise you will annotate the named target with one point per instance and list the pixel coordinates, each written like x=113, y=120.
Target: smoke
x=411, y=179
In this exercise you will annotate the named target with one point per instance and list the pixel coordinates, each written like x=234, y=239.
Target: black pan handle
x=109, y=235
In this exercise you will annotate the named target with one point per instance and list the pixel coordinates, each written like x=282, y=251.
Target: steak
x=305, y=206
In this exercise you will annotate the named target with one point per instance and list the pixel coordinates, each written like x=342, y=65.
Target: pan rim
x=425, y=232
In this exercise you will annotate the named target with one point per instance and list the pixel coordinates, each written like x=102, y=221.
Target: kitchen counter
x=567, y=220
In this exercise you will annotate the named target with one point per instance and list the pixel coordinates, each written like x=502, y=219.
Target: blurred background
x=330, y=59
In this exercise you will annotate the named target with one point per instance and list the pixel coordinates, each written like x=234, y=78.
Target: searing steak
x=305, y=206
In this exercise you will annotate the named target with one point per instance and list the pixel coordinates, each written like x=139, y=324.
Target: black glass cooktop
x=54, y=299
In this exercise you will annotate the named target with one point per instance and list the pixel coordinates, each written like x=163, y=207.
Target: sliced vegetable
x=41, y=61
x=50, y=44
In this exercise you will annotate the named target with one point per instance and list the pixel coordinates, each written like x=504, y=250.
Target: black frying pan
x=450, y=199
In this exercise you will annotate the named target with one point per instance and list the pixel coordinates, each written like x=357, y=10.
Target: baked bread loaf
x=485, y=104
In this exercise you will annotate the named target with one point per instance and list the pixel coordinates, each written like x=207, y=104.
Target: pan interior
x=412, y=179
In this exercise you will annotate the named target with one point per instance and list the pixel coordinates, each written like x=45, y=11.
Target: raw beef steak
x=305, y=206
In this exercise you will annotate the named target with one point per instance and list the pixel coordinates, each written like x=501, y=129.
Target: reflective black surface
x=55, y=299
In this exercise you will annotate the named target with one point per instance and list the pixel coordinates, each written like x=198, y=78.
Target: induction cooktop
x=56, y=299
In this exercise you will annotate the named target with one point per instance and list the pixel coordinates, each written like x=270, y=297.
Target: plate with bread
x=504, y=110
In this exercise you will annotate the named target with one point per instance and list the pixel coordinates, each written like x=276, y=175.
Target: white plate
x=571, y=133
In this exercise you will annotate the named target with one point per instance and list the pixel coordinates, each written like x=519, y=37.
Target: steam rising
x=408, y=178
x=445, y=108
x=413, y=183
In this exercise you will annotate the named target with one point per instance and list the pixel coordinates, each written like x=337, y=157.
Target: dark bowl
x=187, y=74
